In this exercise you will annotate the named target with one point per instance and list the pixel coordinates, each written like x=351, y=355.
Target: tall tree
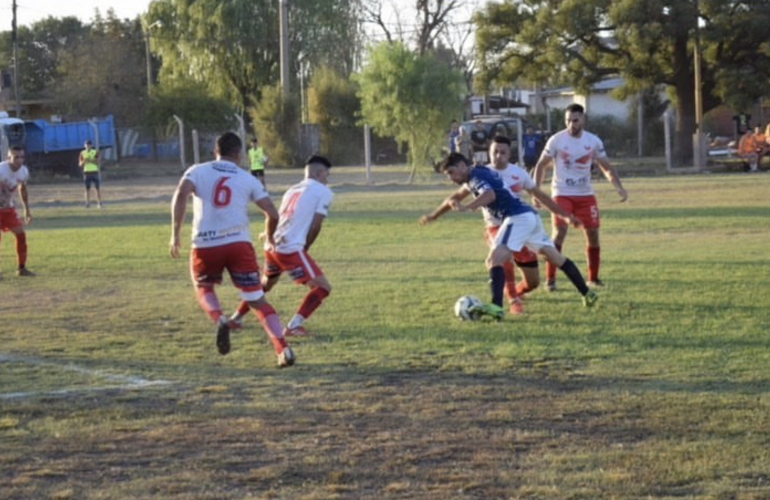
x=648, y=42
x=410, y=97
x=443, y=27
x=232, y=48
x=104, y=73
x=40, y=47
x=334, y=106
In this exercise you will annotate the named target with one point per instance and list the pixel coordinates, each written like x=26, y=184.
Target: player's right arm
x=178, y=209
x=544, y=200
x=545, y=162
x=271, y=219
x=446, y=206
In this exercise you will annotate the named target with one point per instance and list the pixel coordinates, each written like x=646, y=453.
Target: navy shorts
x=94, y=179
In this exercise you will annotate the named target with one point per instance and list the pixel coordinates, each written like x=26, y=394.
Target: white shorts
x=518, y=231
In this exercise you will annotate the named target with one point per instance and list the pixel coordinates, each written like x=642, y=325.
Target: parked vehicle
x=511, y=126
x=12, y=133
x=55, y=146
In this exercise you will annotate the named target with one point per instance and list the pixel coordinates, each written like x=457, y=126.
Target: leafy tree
x=442, y=27
x=648, y=42
x=275, y=118
x=410, y=97
x=40, y=47
x=232, y=48
x=334, y=106
x=104, y=72
x=192, y=104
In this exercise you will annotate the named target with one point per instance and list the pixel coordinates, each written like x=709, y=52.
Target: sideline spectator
x=257, y=160
x=89, y=162
x=454, y=133
x=480, y=141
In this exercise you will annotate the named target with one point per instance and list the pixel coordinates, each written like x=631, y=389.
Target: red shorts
x=9, y=219
x=523, y=257
x=584, y=208
x=299, y=265
x=240, y=260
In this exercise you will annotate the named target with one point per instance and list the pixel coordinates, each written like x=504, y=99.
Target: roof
x=601, y=87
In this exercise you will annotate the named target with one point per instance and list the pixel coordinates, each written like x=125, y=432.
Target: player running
x=303, y=209
x=221, y=239
x=571, y=152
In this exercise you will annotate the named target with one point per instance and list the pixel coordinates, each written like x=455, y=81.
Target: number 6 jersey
x=223, y=192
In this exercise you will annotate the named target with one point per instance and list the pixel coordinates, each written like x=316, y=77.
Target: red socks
x=312, y=301
x=21, y=249
x=209, y=302
x=550, y=269
x=593, y=254
x=272, y=326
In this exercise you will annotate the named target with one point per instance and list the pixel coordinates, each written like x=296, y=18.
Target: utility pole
x=699, y=147
x=283, y=18
x=14, y=39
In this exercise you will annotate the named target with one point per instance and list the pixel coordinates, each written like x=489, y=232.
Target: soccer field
x=111, y=386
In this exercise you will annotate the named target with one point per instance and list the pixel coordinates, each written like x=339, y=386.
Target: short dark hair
x=452, y=160
x=228, y=144
x=89, y=142
x=575, y=108
x=319, y=159
x=502, y=139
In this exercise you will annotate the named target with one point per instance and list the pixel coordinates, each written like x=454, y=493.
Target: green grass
x=659, y=392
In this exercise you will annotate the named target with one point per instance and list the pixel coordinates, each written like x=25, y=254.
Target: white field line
x=120, y=381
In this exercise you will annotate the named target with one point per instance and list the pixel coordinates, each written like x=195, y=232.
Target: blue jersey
x=531, y=144
x=484, y=179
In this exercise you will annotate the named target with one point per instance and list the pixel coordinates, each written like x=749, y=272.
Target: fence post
x=182, y=157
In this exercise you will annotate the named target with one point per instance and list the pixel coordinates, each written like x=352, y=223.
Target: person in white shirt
x=13, y=178
x=304, y=207
x=221, y=239
x=571, y=153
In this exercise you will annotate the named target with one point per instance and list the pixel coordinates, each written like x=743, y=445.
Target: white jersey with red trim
x=299, y=205
x=516, y=179
x=9, y=181
x=573, y=157
x=223, y=192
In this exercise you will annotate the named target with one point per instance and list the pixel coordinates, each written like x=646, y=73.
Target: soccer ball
x=463, y=306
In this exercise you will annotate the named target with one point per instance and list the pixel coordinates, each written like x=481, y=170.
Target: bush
x=276, y=121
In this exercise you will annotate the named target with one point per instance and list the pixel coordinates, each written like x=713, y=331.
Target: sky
x=29, y=11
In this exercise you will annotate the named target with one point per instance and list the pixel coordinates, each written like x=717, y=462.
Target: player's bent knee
x=253, y=296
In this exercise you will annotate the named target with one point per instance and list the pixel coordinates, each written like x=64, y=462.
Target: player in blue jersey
x=521, y=226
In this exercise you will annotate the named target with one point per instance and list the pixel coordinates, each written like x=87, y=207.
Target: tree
x=410, y=97
x=275, y=118
x=40, y=47
x=440, y=26
x=648, y=42
x=334, y=106
x=232, y=48
x=104, y=72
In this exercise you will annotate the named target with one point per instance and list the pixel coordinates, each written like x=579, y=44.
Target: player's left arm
x=25, y=202
x=612, y=175
x=315, y=230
